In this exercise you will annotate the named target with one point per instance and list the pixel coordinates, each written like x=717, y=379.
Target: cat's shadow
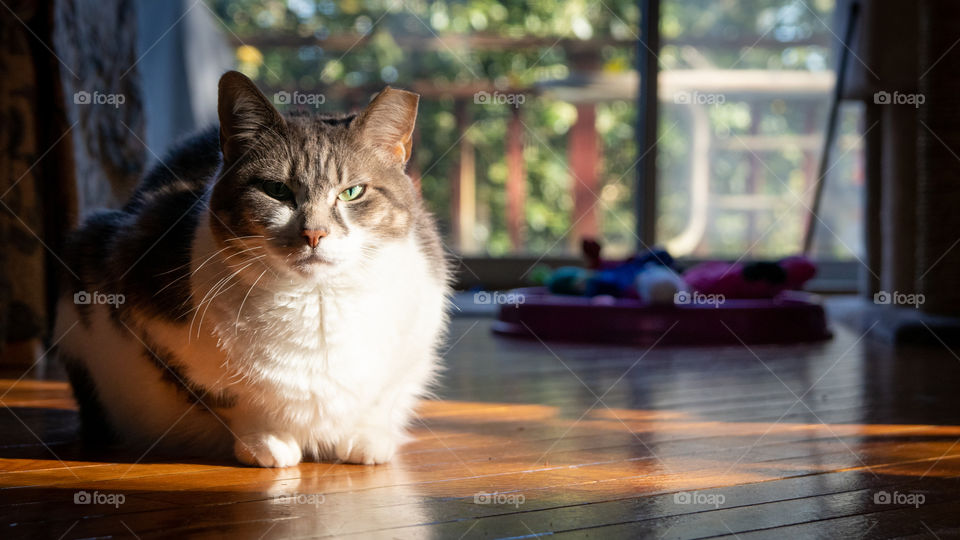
x=38, y=433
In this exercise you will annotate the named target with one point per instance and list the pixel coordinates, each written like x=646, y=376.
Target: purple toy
x=751, y=280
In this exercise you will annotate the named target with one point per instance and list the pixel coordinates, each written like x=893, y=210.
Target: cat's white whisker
x=187, y=301
x=208, y=259
x=220, y=290
x=211, y=291
x=236, y=325
x=165, y=287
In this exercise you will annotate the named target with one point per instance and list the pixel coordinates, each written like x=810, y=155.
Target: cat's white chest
x=332, y=328
x=354, y=334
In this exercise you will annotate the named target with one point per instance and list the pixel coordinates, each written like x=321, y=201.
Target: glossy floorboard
x=848, y=438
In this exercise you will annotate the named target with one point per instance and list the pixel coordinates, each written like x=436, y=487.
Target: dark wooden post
x=938, y=191
x=648, y=47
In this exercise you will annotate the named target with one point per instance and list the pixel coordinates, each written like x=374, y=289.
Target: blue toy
x=620, y=279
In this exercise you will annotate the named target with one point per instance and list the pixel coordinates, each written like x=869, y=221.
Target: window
x=744, y=95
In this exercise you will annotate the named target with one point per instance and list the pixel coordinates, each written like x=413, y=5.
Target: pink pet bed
x=790, y=317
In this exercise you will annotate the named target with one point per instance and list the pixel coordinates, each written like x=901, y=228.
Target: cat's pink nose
x=313, y=236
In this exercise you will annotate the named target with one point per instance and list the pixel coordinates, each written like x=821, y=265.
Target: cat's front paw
x=267, y=450
x=369, y=448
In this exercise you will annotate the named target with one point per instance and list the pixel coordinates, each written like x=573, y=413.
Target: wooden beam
x=597, y=86
x=463, y=185
x=583, y=154
x=494, y=42
x=516, y=181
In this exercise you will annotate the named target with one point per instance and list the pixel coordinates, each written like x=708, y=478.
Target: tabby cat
x=274, y=287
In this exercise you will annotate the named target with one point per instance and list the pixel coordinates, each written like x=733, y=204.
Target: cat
x=275, y=287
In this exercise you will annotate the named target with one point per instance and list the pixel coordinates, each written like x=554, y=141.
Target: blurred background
x=526, y=139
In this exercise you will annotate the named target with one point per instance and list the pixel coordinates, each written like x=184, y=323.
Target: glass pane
x=744, y=95
x=525, y=139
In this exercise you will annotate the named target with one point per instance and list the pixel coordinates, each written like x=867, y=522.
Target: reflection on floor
x=844, y=438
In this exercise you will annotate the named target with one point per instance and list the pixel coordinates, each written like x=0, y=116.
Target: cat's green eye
x=351, y=193
x=277, y=190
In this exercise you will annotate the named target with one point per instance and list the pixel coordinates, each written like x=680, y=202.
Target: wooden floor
x=849, y=438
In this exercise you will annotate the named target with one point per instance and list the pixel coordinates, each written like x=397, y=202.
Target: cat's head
x=315, y=194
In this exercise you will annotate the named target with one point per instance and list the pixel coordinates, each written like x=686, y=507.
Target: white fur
x=327, y=365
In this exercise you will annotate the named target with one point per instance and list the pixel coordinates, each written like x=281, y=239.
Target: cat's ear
x=245, y=113
x=387, y=123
